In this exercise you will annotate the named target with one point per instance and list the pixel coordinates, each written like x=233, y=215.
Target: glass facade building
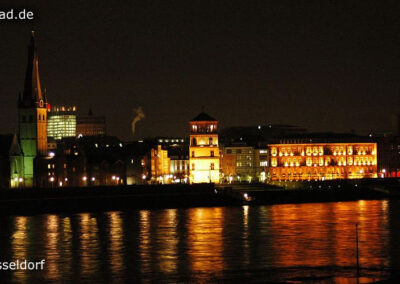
x=61, y=122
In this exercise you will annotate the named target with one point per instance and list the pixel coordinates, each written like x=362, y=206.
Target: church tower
x=204, y=149
x=32, y=115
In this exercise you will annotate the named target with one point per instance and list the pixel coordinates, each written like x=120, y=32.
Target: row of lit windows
x=211, y=141
x=206, y=128
x=211, y=154
x=240, y=164
x=212, y=166
x=170, y=140
x=319, y=151
x=238, y=151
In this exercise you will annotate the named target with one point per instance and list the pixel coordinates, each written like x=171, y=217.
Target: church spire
x=32, y=90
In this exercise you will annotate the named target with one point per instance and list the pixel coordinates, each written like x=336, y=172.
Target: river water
x=314, y=243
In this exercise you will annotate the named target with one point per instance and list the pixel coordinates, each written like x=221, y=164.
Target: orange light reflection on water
x=324, y=234
x=205, y=242
x=116, y=243
x=52, y=247
x=19, y=246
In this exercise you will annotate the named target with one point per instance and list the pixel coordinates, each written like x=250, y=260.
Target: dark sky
x=323, y=65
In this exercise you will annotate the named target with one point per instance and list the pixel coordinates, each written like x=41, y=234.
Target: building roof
x=15, y=148
x=32, y=88
x=203, y=117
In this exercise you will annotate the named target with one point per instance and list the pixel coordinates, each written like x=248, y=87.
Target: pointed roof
x=203, y=117
x=15, y=148
x=32, y=89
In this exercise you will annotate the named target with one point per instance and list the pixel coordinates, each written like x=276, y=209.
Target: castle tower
x=203, y=149
x=32, y=115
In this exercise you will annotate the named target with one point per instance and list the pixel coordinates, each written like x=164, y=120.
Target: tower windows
x=194, y=142
x=212, y=166
x=212, y=153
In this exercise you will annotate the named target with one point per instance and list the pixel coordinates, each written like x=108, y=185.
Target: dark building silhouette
x=90, y=125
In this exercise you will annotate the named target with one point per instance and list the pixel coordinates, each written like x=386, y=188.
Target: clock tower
x=32, y=115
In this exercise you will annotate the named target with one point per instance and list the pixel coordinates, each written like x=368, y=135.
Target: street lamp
x=51, y=181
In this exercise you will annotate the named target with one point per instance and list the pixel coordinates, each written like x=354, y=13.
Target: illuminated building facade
x=323, y=161
x=204, y=149
x=61, y=122
x=90, y=125
x=32, y=117
x=243, y=164
x=180, y=168
x=160, y=165
x=170, y=163
x=87, y=161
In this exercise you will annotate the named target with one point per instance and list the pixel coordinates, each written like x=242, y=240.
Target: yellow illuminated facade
x=204, y=150
x=323, y=161
x=61, y=122
x=160, y=165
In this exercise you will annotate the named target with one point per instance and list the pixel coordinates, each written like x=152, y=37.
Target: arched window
x=194, y=142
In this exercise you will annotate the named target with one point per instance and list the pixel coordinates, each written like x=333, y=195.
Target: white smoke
x=139, y=115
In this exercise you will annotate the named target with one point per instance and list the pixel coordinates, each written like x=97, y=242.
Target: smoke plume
x=139, y=115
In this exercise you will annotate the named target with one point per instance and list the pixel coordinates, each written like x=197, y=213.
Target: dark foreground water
x=296, y=242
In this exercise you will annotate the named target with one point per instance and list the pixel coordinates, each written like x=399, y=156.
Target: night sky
x=323, y=65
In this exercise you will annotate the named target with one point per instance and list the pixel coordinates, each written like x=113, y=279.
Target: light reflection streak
x=52, y=247
x=205, y=242
x=19, y=246
x=144, y=246
x=245, y=237
x=116, y=243
x=167, y=237
x=89, y=244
